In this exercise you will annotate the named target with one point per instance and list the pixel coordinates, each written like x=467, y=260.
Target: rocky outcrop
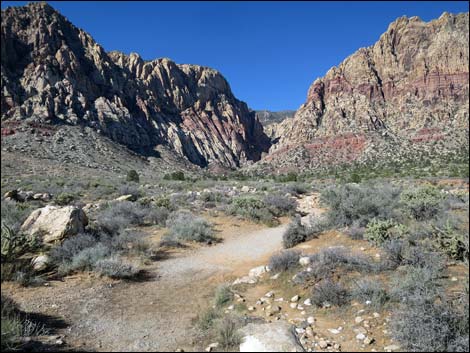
x=409, y=88
x=52, y=223
x=53, y=72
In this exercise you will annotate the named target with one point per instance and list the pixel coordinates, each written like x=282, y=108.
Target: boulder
x=55, y=223
x=258, y=271
x=40, y=263
x=272, y=337
x=126, y=198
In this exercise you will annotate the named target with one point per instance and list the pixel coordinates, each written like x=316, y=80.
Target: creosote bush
x=184, y=226
x=297, y=233
x=359, y=203
x=133, y=176
x=284, y=260
x=252, y=208
x=328, y=292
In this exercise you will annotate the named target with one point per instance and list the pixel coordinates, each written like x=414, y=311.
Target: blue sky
x=270, y=52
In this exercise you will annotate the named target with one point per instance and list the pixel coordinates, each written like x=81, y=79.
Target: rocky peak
x=54, y=72
x=414, y=78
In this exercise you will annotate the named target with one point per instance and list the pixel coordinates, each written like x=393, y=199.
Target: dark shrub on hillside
x=71, y=247
x=130, y=189
x=175, y=176
x=329, y=292
x=284, y=260
x=133, y=176
x=361, y=203
x=64, y=199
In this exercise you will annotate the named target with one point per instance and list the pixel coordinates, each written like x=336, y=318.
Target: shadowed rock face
x=53, y=72
x=412, y=84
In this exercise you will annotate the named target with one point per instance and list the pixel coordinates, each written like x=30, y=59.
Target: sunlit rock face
x=53, y=72
x=410, y=88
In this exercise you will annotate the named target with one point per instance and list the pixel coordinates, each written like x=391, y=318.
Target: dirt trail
x=154, y=314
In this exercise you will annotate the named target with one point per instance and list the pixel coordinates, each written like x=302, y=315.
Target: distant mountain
x=55, y=73
x=267, y=117
x=403, y=98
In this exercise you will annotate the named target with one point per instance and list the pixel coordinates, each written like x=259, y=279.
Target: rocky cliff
x=55, y=73
x=408, y=90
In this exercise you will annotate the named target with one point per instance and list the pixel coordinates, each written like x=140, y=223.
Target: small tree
x=132, y=175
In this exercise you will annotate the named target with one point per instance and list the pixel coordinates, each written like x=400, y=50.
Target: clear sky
x=270, y=52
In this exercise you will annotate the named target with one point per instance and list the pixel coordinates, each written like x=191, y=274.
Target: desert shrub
x=16, y=325
x=132, y=176
x=280, y=205
x=430, y=327
x=162, y=201
x=126, y=241
x=13, y=214
x=355, y=232
x=130, y=189
x=452, y=241
x=416, y=284
x=85, y=260
x=252, y=208
x=370, y=290
x=223, y=295
x=325, y=262
x=185, y=226
x=64, y=199
x=14, y=244
x=175, y=176
x=297, y=233
x=422, y=202
x=377, y=231
x=296, y=189
x=360, y=202
x=329, y=292
x=119, y=215
x=227, y=332
x=71, y=247
x=284, y=260
x=394, y=252
x=206, y=319
x=287, y=178
x=116, y=267
x=157, y=215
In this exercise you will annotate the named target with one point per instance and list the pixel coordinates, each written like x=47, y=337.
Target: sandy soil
x=154, y=314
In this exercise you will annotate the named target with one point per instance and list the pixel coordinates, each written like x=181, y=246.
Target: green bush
x=251, y=208
x=64, y=199
x=422, y=202
x=14, y=244
x=175, y=176
x=378, y=231
x=133, y=176
x=223, y=295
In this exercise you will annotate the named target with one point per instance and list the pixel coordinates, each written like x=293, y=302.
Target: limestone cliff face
x=53, y=72
x=412, y=84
